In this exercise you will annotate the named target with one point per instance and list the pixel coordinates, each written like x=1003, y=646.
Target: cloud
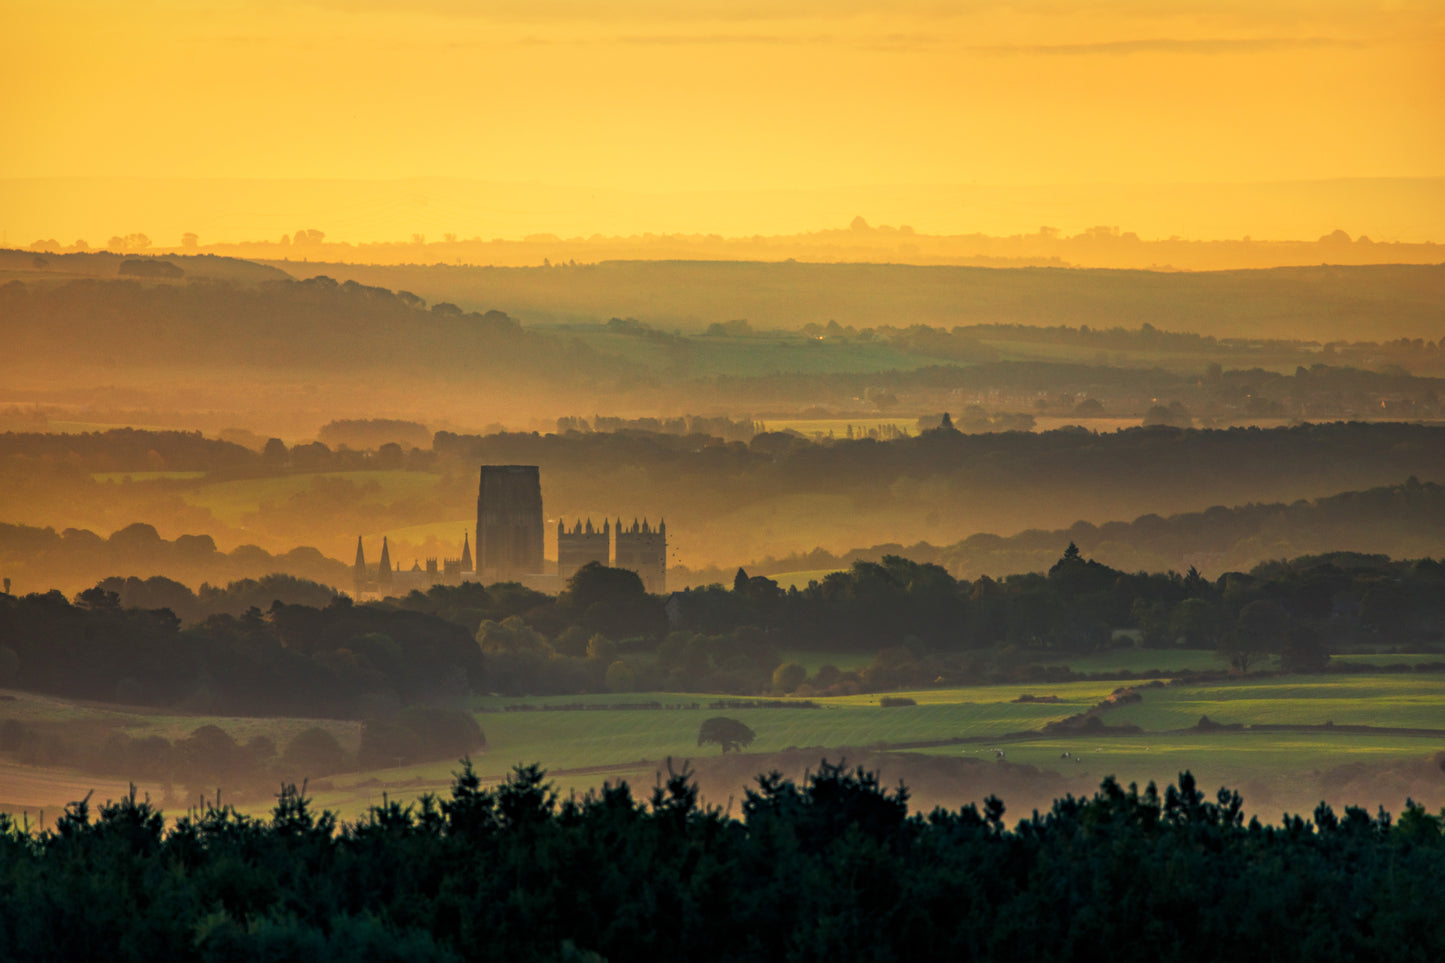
x=722, y=38
x=1283, y=13
x=1207, y=46
x=903, y=42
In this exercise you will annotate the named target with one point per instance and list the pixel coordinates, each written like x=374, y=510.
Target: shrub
x=312, y=754
x=418, y=734
x=788, y=676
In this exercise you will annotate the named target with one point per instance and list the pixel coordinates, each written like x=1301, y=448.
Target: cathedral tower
x=509, y=522
x=580, y=546
x=644, y=550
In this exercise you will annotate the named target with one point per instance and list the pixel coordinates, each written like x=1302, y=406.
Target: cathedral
x=385, y=580
x=640, y=548
x=509, y=538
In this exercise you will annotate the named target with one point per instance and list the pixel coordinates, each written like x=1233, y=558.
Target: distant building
x=641, y=548
x=509, y=545
x=644, y=550
x=509, y=523
x=386, y=580
x=580, y=546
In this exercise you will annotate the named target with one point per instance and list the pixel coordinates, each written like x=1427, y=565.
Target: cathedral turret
x=580, y=545
x=643, y=549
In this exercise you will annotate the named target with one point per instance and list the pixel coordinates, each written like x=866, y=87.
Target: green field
x=232, y=501
x=1392, y=658
x=1129, y=659
x=572, y=740
x=1396, y=701
x=583, y=747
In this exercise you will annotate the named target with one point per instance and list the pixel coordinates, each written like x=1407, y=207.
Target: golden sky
x=743, y=98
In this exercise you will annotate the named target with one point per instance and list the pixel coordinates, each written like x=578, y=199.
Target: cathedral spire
x=360, y=557
x=466, y=553
x=383, y=572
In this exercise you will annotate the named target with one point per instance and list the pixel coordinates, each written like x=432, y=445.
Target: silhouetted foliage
x=730, y=735
x=833, y=868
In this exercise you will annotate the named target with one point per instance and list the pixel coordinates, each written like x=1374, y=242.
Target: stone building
x=644, y=550
x=509, y=523
x=509, y=545
x=388, y=580
x=640, y=548
x=582, y=545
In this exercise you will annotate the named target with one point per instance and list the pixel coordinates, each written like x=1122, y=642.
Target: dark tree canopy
x=809, y=873
x=730, y=734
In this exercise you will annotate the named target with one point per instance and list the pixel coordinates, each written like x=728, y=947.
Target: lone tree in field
x=728, y=733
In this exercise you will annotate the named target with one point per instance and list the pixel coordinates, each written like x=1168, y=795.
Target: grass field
x=1143, y=757
x=630, y=743
x=1392, y=658
x=571, y=740
x=1396, y=701
x=583, y=747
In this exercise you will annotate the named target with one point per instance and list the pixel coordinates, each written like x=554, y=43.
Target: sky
x=741, y=107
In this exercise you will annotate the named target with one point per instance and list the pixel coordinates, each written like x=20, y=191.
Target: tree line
x=1406, y=519
x=356, y=330
x=339, y=660
x=834, y=868
x=1038, y=485
x=316, y=324
x=31, y=555
x=605, y=633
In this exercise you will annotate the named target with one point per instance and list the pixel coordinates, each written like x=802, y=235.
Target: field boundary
x=654, y=706
x=1353, y=729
